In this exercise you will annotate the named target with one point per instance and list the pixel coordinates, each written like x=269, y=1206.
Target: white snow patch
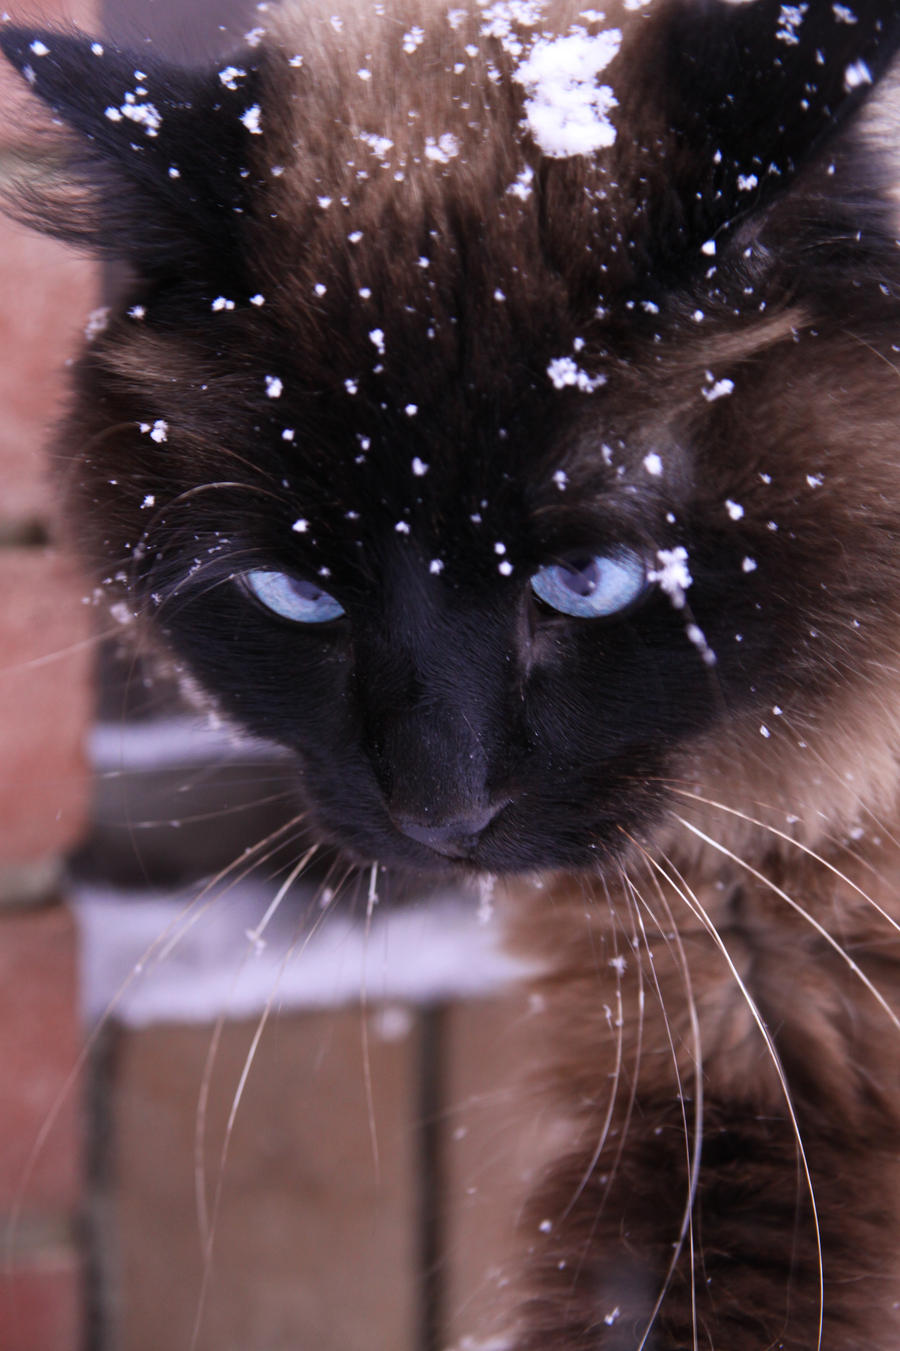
x=230, y=76
x=566, y=109
x=39, y=48
x=673, y=575
x=300, y=526
x=419, y=467
x=436, y=566
x=790, y=17
x=521, y=185
x=146, y=115
x=432, y=951
x=274, y=387
x=251, y=120
x=698, y=638
x=653, y=464
x=717, y=389
x=442, y=150
x=565, y=372
x=734, y=509
x=857, y=74
x=158, y=431
x=376, y=336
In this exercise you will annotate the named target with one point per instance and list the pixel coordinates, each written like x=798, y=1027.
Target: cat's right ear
x=154, y=156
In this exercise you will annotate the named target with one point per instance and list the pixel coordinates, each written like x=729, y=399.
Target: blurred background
x=217, y=1130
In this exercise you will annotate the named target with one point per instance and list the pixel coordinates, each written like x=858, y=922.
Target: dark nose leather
x=454, y=837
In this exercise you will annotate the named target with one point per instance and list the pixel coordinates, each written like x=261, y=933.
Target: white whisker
x=803, y=913
x=691, y=900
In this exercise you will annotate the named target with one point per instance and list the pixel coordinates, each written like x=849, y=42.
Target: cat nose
x=453, y=837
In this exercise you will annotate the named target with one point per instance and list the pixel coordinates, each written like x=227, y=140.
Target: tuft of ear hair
x=152, y=175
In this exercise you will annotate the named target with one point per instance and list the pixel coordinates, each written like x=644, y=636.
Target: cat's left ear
x=746, y=95
x=155, y=170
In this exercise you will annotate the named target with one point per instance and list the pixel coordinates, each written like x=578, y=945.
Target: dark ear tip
x=16, y=44
x=25, y=46
x=28, y=49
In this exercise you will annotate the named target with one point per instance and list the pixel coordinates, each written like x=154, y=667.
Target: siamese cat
x=503, y=416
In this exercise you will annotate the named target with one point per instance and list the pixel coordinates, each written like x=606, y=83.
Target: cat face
x=491, y=479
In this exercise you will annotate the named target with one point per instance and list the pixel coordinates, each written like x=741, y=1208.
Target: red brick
x=47, y=293
x=46, y=704
x=39, y=1044
x=42, y=1304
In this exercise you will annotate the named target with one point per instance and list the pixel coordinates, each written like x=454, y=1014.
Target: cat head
x=502, y=411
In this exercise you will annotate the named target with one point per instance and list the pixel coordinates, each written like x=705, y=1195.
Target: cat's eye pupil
x=307, y=591
x=293, y=598
x=593, y=586
x=580, y=576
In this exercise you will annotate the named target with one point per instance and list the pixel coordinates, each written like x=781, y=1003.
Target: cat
x=503, y=417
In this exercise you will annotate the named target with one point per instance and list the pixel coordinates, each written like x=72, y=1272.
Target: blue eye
x=293, y=598
x=592, y=586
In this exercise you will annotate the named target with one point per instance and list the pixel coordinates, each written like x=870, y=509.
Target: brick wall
x=45, y=706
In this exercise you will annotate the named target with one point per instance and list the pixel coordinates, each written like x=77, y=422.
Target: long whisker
x=693, y=1141
x=681, y=887
x=619, y=1023
x=157, y=950
x=255, y=944
x=371, y=902
x=209, y=1217
x=804, y=914
x=797, y=844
